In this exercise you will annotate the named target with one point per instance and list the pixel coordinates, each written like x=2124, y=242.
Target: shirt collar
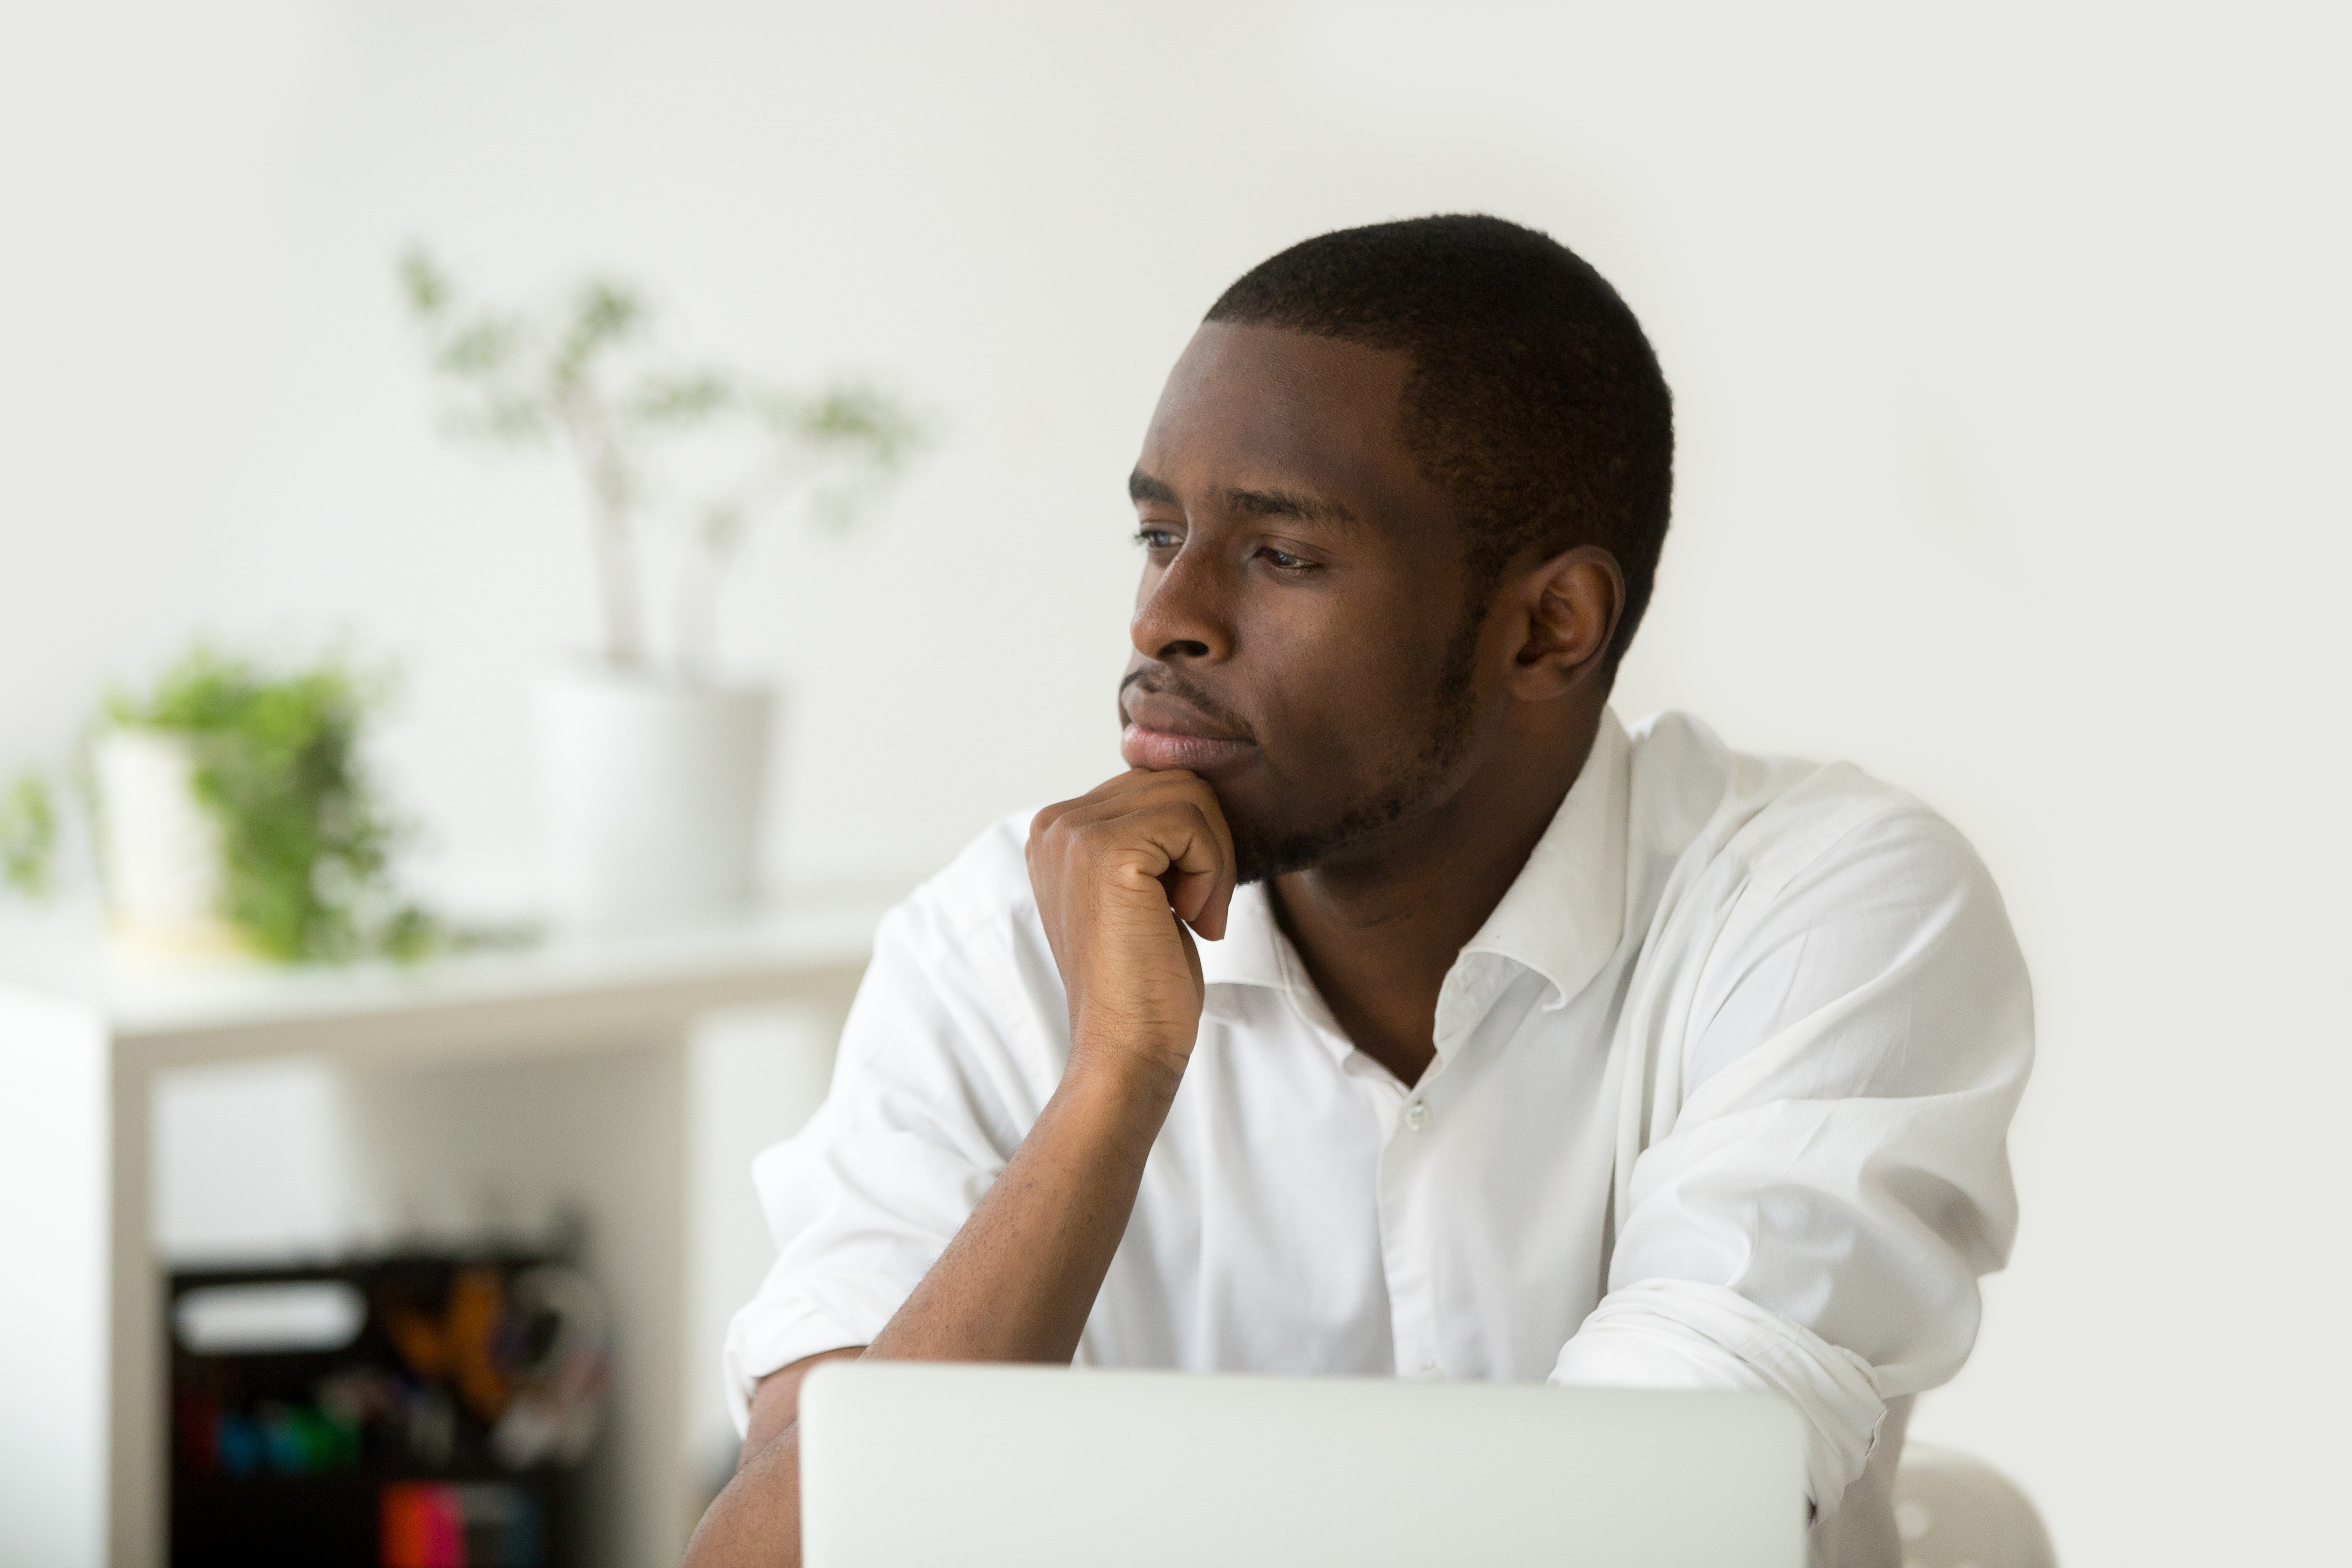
x=1253, y=951
x=1562, y=918
x=1565, y=912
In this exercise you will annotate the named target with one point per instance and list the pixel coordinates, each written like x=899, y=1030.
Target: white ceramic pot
x=653, y=788
x=159, y=849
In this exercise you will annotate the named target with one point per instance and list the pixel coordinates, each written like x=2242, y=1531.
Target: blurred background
x=2009, y=348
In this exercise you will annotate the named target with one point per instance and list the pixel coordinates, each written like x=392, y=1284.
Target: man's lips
x=1163, y=749
x=1164, y=732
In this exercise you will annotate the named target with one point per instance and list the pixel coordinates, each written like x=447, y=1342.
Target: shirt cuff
x=1677, y=1333
x=815, y=1316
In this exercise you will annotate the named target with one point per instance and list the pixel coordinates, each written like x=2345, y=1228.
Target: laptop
x=906, y=1463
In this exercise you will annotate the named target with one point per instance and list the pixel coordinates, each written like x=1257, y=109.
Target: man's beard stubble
x=1263, y=851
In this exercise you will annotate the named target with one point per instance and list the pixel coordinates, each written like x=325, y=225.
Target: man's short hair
x=1535, y=402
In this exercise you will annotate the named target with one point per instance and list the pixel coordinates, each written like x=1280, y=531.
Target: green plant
x=28, y=836
x=306, y=841
x=586, y=377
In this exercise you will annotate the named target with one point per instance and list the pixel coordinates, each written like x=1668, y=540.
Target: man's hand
x=1120, y=873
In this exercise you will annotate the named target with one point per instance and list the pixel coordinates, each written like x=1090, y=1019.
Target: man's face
x=1300, y=636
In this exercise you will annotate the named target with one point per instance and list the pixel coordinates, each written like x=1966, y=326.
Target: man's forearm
x=1015, y=1284
x=1019, y=1278
x=755, y=1522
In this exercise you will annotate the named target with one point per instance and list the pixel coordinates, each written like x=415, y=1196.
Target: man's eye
x=1156, y=539
x=1282, y=560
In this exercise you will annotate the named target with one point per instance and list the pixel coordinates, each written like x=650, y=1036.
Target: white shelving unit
x=554, y=1077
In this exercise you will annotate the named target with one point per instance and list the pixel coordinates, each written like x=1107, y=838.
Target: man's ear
x=1570, y=603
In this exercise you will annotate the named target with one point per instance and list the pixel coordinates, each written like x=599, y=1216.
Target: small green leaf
x=426, y=285
x=28, y=836
x=681, y=401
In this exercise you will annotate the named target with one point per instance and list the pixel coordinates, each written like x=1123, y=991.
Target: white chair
x=1953, y=1511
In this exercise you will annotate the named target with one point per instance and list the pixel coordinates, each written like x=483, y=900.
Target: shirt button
x=1416, y=1115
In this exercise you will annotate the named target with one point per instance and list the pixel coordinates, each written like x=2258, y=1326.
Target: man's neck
x=1378, y=932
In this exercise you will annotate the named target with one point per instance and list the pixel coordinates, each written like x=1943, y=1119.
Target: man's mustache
x=1162, y=681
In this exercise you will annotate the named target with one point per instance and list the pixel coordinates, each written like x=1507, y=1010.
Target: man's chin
x=1263, y=850
x=1261, y=856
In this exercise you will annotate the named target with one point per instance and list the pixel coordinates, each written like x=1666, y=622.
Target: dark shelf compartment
x=375, y=1452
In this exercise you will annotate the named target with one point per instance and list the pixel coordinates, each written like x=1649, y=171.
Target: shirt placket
x=1411, y=1227
x=1404, y=1246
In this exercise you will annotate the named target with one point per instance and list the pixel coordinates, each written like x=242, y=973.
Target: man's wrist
x=1119, y=1086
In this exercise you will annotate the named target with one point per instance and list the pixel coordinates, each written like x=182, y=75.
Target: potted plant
x=653, y=761
x=234, y=814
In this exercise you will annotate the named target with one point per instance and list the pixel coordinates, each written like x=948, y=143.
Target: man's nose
x=1185, y=617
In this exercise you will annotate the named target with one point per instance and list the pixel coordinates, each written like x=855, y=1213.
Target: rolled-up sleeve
x=1830, y=1175
x=926, y=1105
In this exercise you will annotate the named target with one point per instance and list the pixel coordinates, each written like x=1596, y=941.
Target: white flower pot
x=159, y=849
x=653, y=788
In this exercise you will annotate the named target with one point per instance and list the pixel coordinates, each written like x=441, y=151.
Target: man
x=1399, y=1010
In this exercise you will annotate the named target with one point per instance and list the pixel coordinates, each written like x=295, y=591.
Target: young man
x=1399, y=1010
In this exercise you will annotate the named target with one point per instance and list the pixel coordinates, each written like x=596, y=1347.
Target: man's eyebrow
x=1289, y=503
x=1143, y=487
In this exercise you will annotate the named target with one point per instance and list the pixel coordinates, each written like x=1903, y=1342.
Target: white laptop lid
x=907, y=1463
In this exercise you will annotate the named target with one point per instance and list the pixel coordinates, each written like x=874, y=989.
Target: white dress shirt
x=1720, y=1101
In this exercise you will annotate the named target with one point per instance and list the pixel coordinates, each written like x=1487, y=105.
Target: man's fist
x=1120, y=873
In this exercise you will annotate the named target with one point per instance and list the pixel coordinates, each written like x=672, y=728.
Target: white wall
x=2009, y=349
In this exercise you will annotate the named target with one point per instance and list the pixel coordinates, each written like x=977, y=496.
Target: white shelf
x=64, y=957
x=594, y=1027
